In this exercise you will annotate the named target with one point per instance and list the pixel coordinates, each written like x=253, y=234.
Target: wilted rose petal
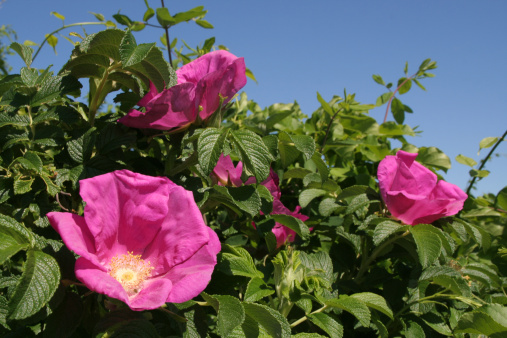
x=412, y=192
x=142, y=240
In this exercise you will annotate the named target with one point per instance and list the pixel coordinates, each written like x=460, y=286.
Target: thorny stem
x=62, y=28
x=483, y=162
x=166, y=28
x=366, y=263
x=394, y=93
x=302, y=319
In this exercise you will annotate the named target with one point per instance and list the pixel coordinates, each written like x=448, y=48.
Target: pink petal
x=124, y=211
x=214, y=74
x=152, y=295
x=75, y=233
x=225, y=173
x=182, y=232
x=149, y=96
x=191, y=277
x=172, y=108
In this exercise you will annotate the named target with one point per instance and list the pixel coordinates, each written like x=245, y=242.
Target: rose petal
x=191, y=277
x=225, y=173
x=172, y=108
x=149, y=96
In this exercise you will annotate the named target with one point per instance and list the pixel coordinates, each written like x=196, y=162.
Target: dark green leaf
x=327, y=323
x=122, y=19
x=354, y=306
x=256, y=290
x=230, y=312
x=130, y=53
x=374, y=301
x=38, y=283
x=13, y=237
x=253, y=152
x=428, y=243
x=246, y=197
x=238, y=262
x=209, y=147
x=270, y=320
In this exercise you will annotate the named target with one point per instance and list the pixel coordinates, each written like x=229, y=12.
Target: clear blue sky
x=296, y=48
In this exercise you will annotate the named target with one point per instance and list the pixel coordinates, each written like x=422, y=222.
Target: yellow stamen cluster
x=131, y=271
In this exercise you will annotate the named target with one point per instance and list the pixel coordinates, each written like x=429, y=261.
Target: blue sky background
x=296, y=48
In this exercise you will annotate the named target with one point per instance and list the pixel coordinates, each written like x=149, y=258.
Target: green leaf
x=270, y=320
x=327, y=108
x=397, y=110
x=253, y=152
x=54, y=87
x=487, y=142
x=52, y=41
x=190, y=14
x=308, y=195
x=327, y=323
x=293, y=223
x=257, y=289
x=156, y=69
x=487, y=320
x=80, y=149
x=321, y=166
x=22, y=186
x=383, y=99
x=38, y=283
x=230, y=312
x=392, y=129
x=354, y=306
x=303, y=143
x=13, y=237
x=465, y=160
x=29, y=76
x=479, y=173
x=245, y=197
x=130, y=53
x=58, y=15
x=428, y=243
x=204, y=24
x=164, y=18
x=209, y=147
x=123, y=19
x=434, y=157
x=98, y=16
x=236, y=261
x=374, y=301
x=148, y=14
x=378, y=79
x=106, y=43
x=404, y=87
x=24, y=51
x=501, y=199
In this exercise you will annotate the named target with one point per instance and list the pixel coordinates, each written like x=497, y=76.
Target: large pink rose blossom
x=201, y=83
x=412, y=192
x=226, y=174
x=142, y=240
x=282, y=233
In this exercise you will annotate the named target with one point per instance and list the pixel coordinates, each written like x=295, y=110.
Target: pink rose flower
x=412, y=193
x=142, y=240
x=197, y=94
x=282, y=233
x=226, y=174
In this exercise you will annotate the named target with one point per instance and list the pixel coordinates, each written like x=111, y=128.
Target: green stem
x=166, y=28
x=365, y=264
x=483, y=162
x=302, y=319
x=328, y=128
x=394, y=93
x=62, y=28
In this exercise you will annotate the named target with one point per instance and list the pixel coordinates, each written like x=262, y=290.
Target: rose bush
x=142, y=240
x=204, y=85
x=412, y=193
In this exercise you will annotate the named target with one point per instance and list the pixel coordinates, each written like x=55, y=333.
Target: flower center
x=131, y=271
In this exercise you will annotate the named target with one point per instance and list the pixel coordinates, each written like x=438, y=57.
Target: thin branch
x=394, y=93
x=483, y=163
x=328, y=128
x=166, y=28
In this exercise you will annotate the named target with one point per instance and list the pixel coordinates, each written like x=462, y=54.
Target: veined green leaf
x=327, y=323
x=428, y=243
x=130, y=53
x=270, y=320
x=237, y=261
x=308, y=195
x=385, y=229
x=37, y=285
x=374, y=301
x=230, y=312
x=209, y=147
x=245, y=197
x=13, y=237
x=253, y=152
x=257, y=289
x=354, y=306
x=24, y=51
